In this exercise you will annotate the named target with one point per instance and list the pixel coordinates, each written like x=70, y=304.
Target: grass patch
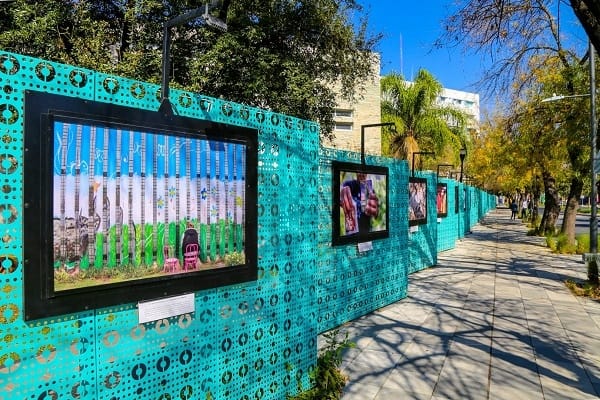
x=583, y=289
x=560, y=244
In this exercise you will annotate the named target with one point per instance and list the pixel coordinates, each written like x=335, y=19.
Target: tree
x=511, y=35
x=520, y=37
x=420, y=121
x=588, y=13
x=265, y=59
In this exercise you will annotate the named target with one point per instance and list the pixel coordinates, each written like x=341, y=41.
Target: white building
x=349, y=117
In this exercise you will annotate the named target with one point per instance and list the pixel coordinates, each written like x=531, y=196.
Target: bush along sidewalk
x=326, y=379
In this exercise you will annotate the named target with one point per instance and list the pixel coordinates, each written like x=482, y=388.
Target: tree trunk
x=552, y=207
x=536, y=203
x=588, y=13
x=570, y=215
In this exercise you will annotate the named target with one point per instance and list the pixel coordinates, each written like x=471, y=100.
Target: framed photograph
x=456, y=204
x=442, y=200
x=125, y=205
x=360, y=203
x=417, y=201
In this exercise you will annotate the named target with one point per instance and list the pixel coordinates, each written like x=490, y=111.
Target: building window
x=343, y=126
x=342, y=113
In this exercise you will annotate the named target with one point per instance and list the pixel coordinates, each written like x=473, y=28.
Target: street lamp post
x=413, y=158
x=362, y=137
x=462, y=154
x=593, y=265
x=165, y=104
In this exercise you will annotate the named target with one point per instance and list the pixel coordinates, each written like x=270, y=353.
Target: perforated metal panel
x=422, y=242
x=251, y=341
x=350, y=283
x=447, y=230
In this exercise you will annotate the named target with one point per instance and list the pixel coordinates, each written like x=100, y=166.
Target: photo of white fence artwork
x=123, y=198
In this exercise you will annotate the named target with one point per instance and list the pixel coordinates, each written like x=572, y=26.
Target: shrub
x=551, y=242
x=583, y=243
x=327, y=379
x=563, y=246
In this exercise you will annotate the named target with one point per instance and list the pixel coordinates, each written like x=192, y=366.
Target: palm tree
x=420, y=120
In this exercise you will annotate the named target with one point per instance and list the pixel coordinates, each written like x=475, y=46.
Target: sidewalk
x=493, y=320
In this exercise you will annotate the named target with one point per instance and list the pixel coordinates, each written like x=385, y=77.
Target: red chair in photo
x=171, y=263
x=190, y=257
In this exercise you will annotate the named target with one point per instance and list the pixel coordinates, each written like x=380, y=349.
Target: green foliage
x=551, y=243
x=584, y=289
x=265, y=59
x=560, y=244
x=583, y=243
x=420, y=121
x=327, y=380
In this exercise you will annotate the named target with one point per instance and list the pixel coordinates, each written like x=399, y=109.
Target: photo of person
x=442, y=199
x=417, y=201
x=360, y=202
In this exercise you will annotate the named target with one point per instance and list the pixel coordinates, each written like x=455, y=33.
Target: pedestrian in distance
x=524, y=207
x=514, y=208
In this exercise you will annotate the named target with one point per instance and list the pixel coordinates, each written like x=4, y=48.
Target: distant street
x=582, y=225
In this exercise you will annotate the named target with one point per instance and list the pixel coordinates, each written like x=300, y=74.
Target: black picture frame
x=356, y=188
x=442, y=200
x=71, y=234
x=417, y=201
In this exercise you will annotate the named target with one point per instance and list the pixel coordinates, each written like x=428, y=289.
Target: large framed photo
x=417, y=201
x=442, y=200
x=360, y=203
x=124, y=205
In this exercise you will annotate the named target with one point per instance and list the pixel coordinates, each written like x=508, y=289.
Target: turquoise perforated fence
x=249, y=341
x=447, y=231
x=422, y=238
x=351, y=283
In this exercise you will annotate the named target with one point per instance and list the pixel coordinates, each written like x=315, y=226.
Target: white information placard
x=166, y=307
x=365, y=246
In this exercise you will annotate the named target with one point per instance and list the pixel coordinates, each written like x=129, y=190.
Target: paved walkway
x=493, y=320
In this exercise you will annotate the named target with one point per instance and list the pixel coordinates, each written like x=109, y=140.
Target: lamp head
x=462, y=153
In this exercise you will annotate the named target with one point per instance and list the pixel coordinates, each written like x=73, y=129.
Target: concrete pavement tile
x=462, y=385
x=476, y=341
x=563, y=392
x=564, y=376
x=513, y=374
x=512, y=345
x=359, y=391
x=520, y=364
x=365, y=374
x=469, y=350
x=506, y=391
x=400, y=393
x=412, y=380
x=433, y=340
x=376, y=360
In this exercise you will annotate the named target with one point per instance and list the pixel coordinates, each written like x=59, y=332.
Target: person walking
x=524, y=206
x=513, y=208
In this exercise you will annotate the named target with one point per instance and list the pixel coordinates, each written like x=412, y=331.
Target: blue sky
x=410, y=29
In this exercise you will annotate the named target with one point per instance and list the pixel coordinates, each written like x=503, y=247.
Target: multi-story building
x=350, y=116
x=367, y=110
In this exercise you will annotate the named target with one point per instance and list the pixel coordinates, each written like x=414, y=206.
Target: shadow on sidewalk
x=492, y=320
